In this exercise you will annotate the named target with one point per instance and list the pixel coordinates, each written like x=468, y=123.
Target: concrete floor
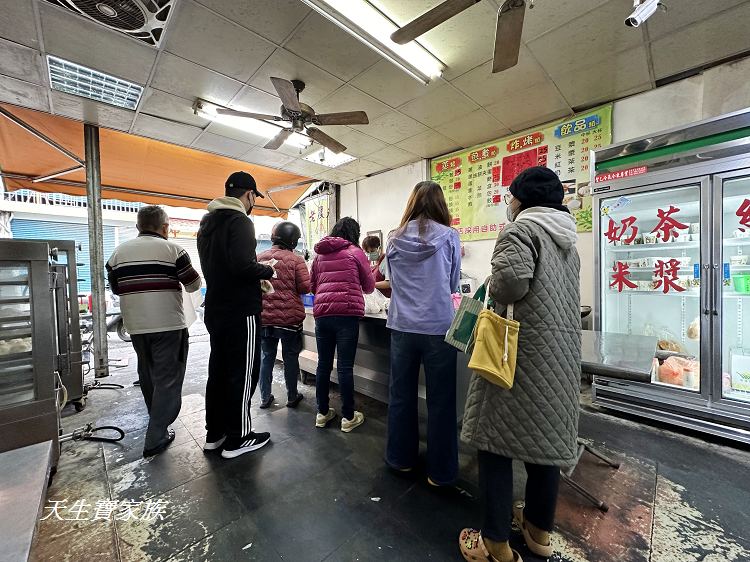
x=324, y=495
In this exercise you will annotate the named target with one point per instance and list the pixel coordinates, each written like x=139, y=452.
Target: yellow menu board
x=475, y=180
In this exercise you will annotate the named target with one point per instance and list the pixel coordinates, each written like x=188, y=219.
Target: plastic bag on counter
x=680, y=371
x=667, y=341
x=375, y=302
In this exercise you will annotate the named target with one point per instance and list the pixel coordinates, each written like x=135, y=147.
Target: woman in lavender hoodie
x=340, y=274
x=424, y=262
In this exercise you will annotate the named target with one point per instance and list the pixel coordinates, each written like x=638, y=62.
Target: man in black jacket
x=226, y=245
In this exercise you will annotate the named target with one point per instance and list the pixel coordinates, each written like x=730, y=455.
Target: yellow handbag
x=495, y=346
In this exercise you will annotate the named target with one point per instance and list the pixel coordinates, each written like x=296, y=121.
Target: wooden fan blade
x=330, y=143
x=430, y=20
x=279, y=139
x=342, y=118
x=508, y=34
x=287, y=93
x=236, y=113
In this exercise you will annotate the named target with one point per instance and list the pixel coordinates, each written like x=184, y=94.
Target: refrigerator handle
x=714, y=299
x=707, y=310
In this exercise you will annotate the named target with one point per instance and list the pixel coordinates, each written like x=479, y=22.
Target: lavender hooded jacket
x=340, y=274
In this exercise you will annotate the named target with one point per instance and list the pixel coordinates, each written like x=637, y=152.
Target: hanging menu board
x=475, y=180
x=316, y=218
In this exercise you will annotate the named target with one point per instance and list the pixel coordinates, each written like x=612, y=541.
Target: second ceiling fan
x=507, y=33
x=301, y=116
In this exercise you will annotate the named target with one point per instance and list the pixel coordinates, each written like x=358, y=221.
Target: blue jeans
x=291, y=345
x=339, y=335
x=408, y=352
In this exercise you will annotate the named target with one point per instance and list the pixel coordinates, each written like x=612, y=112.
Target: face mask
x=509, y=213
x=374, y=255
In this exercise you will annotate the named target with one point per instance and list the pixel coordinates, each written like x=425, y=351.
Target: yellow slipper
x=545, y=551
x=473, y=549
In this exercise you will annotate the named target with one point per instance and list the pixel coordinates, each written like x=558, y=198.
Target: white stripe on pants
x=250, y=357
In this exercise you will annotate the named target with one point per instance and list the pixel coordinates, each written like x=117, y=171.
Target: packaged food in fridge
x=694, y=329
x=671, y=372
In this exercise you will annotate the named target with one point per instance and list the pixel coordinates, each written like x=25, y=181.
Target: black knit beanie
x=538, y=187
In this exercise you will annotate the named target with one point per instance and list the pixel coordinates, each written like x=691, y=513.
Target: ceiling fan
x=301, y=116
x=507, y=33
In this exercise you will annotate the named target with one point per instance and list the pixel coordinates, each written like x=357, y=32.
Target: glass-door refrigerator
x=672, y=261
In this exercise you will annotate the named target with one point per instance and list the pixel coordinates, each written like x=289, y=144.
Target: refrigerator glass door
x=16, y=362
x=650, y=250
x=735, y=331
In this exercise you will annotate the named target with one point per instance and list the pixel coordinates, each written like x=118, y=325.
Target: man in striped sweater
x=148, y=273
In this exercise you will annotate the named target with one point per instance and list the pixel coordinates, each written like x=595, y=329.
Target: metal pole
x=96, y=248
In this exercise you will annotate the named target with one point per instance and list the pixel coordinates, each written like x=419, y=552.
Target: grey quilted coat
x=535, y=265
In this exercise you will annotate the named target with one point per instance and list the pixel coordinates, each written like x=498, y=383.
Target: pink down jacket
x=340, y=274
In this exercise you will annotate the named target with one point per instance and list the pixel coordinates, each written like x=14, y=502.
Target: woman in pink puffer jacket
x=339, y=276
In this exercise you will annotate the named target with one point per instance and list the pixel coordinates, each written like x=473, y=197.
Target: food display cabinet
x=672, y=251
x=28, y=411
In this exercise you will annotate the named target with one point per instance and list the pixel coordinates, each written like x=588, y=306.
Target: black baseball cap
x=243, y=180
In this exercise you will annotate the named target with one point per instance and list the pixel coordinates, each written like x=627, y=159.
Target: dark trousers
x=408, y=352
x=233, y=368
x=496, y=489
x=336, y=335
x=162, y=359
x=291, y=345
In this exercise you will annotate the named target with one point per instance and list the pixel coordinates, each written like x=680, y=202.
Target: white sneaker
x=322, y=420
x=213, y=445
x=356, y=421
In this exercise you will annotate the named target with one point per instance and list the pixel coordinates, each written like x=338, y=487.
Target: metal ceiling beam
x=53, y=175
x=290, y=186
x=41, y=136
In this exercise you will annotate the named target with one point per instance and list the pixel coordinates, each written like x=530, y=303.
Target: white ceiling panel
x=547, y=16
x=264, y=157
x=441, y=105
x=473, y=128
x=485, y=88
x=17, y=22
x=253, y=99
x=222, y=145
x=90, y=44
x=21, y=62
x=83, y=109
x=283, y=64
x=528, y=106
x=392, y=127
x=684, y=13
x=595, y=36
x=331, y=48
x=201, y=36
x=168, y=131
x=619, y=75
x=710, y=40
x=347, y=98
x=357, y=144
x=429, y=144
x=390, y=84
x=24, y=94
x=237, y=134
x=189, y=80
x=272, y=19
x=161, y=104
x=393, y=157
x=726, y=88
x=305, y=168
x=360, y=168
x=338, y=176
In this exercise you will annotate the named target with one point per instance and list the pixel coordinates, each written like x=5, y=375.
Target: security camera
x=643, y=9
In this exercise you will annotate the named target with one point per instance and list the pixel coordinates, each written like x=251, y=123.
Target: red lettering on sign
x=457, y=185
x=744, y=213
x=525, y=141
x=620, y=277
x=517, y=163
x=668, y=227
x=615, y=233
x=448, y=164
x=483, y=154
x=666, y=273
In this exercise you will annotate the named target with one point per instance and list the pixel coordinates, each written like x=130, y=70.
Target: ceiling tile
x=253, y=99
x=390, y=84
x=248, y=137
x=710, y=40
x=221, y=145
x=551, y=15
x=393, y=157
x=338, y=176
x=199, y=35
x=347, y=98
x=686, y=12
x=21, y=62
x=24, y=94
x=473, y=128
x=90, y=111
x=357, y=144
x=360, y=168
x=726, y=88
x=439, y=106
x=484, y=87
x=305, y=168
x=272, y=19
x=529, y=106
x=260, y=155
x=90, y=44
x=283, y=64
x=429, y=144
x=17, y=22
x=168, y=131
x=541, y=119
x=392, y=127
x=463, y=42
x=161, y=104
x=607, y=80
x=189, y=80
x=593, y=37
x=331, y=48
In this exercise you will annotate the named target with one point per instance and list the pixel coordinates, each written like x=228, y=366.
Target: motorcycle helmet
x=286, y=234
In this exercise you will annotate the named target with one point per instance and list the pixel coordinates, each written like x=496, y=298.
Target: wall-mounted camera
x=642, y=10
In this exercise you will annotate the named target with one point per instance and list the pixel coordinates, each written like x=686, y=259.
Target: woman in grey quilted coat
x=535, y=266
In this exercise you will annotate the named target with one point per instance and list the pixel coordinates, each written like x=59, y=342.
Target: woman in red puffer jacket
x=340, y=274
